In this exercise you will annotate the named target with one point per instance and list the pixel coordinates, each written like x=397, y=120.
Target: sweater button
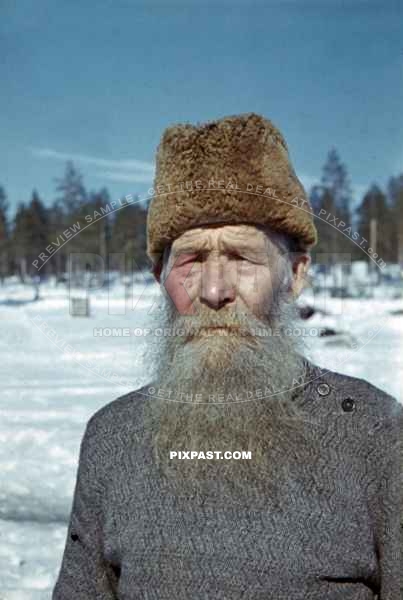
x=348, y=404
x=74, y=537
x=323, y=389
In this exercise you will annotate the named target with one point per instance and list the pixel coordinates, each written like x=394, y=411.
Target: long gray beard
x=226, y=392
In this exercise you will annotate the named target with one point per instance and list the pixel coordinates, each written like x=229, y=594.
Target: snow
x=56, y=373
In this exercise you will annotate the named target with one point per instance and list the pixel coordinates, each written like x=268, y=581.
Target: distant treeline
x=88, y=225
x=108, y=236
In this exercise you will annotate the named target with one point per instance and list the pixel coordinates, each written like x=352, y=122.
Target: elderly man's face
x=233, y=266
x=225, y=385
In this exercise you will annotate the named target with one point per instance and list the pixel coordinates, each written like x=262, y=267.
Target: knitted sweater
x=130, y=538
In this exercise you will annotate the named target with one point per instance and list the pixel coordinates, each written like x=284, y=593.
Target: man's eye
x=237, y=257
x=186, y=260
x=196, y=258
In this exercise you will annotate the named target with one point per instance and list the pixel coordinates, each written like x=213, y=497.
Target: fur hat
x=232, y=170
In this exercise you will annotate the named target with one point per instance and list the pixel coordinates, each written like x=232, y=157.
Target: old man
x=242, y=470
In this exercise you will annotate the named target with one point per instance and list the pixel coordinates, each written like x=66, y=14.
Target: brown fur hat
x=232, y=170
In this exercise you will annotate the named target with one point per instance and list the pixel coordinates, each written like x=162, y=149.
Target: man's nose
x=217, y=286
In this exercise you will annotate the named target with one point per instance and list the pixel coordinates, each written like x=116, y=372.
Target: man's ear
x=300, y=269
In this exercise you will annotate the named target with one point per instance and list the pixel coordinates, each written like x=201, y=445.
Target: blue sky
x=98, y=83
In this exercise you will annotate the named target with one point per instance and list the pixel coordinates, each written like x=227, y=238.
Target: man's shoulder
x=349, y=391
x=122, y=410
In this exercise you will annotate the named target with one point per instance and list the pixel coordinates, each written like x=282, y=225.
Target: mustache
x=212, y=327
x=230, y=320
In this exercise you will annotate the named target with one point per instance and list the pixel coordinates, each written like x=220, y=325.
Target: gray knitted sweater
x=129, y=538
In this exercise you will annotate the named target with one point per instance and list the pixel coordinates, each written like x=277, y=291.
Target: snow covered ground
x=55, y=373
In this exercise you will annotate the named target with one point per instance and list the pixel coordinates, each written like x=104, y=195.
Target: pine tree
x=68, y=206
x=336, y=180
x=72, y=191
x=395, y=195
x=94, y=239
x=30, y=235
x=334, y=196
x=57, y=222
x=129, y=235
x=323, y=204
x=374, y=206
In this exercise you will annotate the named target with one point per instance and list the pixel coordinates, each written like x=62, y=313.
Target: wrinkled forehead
x=224, y=237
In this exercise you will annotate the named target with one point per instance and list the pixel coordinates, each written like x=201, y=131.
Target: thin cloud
x=139, y=171
x=133, y=164
x=130, y=177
